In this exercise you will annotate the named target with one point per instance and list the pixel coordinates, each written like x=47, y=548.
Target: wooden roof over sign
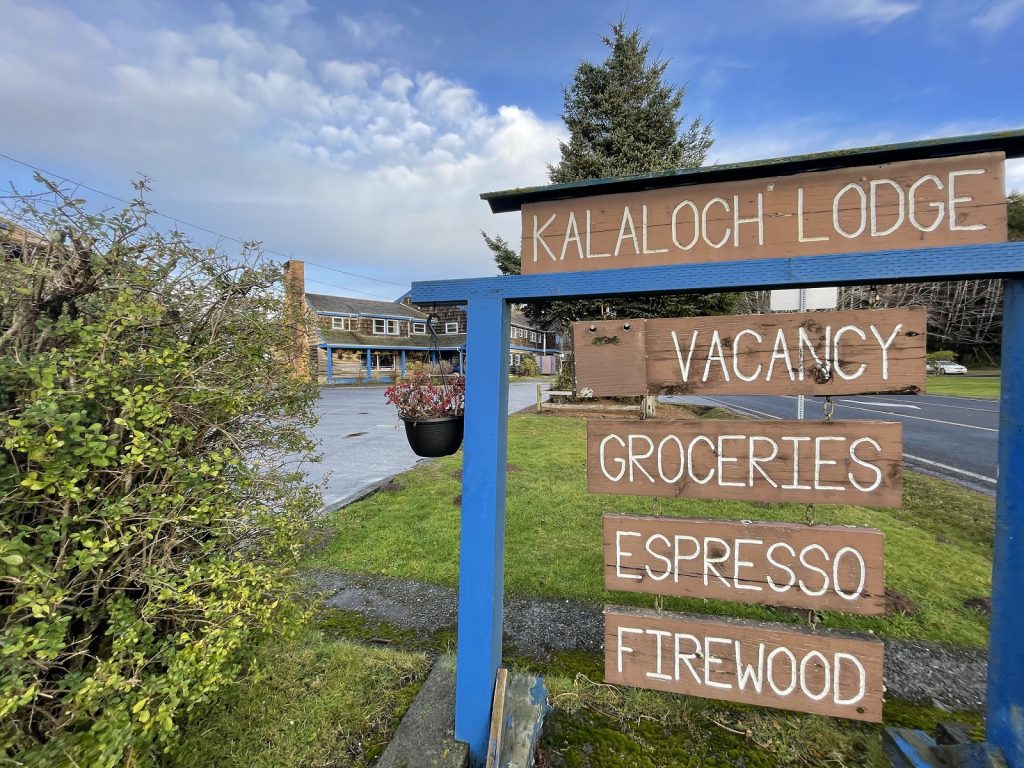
x=1009, y=142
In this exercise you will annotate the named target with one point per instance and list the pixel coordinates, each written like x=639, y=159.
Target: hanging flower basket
x=437, y=436
x=432, y=408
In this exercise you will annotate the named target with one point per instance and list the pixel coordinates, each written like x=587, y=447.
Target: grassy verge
x=984, y=387
x=318, y=702
x=937, y=546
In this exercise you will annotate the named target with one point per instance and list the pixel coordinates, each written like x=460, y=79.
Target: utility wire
x=221, y=235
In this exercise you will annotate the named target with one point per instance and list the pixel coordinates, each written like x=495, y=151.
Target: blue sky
x=358, y=135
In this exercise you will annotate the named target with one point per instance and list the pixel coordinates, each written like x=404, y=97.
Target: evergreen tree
x=622, y=120
x=1015, y=215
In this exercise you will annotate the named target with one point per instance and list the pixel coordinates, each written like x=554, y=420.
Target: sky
x=358, y=136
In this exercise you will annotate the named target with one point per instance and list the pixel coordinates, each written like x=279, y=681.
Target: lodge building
x=358, y=340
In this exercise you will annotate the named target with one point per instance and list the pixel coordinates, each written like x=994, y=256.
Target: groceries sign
x=912, y=204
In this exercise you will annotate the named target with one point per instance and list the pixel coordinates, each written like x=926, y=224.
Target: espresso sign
x=746, y=662
x=911, y=204
x=809, y=353
x=820, y=567
x=825, y=462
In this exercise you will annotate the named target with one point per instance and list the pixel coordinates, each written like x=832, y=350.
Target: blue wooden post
x=369, y=363
x=1004, y=715
x=402, y=368
x=330, y=364
x=482, y=539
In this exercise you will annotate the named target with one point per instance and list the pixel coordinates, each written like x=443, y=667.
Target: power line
x=221, y=235
x=352, y=290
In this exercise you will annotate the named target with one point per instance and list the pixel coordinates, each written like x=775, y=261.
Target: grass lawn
x=317, y=702
x=334, y=698
x=985, y=387
x=937, y=546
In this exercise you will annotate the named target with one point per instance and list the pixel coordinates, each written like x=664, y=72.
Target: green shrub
x=527, y=366
x=149, y=523
x=563, y=381
x=942, y=354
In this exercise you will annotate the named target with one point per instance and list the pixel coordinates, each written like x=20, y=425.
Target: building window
x=533, y=336
x=383, y=327
x=341, y=323
x=419, y=327
x=451, y=327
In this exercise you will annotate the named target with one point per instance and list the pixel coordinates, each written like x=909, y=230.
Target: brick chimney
x=296, y=315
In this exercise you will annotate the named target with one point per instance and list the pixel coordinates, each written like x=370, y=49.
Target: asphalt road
x=949, y=437
x=362, y=442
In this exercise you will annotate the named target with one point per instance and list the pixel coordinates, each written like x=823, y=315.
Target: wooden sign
x=821, y=567
x=824, y=462
x=808, y=353
x=911, y=204
x=747, y=662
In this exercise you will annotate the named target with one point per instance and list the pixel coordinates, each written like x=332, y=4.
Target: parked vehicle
x=949, y=368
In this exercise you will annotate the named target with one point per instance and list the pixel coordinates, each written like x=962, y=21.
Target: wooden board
x=824, y=462
x=769, y=665
x=610, y=356
x=910, y=204
x=821, y=567
x=843, y=353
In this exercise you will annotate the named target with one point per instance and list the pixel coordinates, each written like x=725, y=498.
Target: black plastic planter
x=437, y=436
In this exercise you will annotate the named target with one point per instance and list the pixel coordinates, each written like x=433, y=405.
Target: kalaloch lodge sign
x=753, y=663
x=825, y=462
x=910, y=204
x=810, y=353
x=818, y=567
x=902, y=205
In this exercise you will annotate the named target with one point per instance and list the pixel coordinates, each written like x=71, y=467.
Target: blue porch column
x=482, y=537
x=330, y=364
x=369, y=363
x=1004, y=709
x=403, y=363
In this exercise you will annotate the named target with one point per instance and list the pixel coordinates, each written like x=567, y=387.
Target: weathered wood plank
x=820, y=567
x=769, y=665
x=825, y=462
x=810, y=353
x=843, y=353
x=911, y=204
x=610, y=357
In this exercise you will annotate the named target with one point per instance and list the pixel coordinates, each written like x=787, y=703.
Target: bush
x=527, y=366
x=563, y=381
x=149, y=526
x=942, y=354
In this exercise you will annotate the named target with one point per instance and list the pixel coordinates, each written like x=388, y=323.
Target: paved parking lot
x=363, y=442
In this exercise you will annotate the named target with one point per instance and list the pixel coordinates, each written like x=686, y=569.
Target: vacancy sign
x=910, y=204
x=808, y=353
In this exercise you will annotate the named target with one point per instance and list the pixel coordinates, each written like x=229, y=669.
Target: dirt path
x=944, y=676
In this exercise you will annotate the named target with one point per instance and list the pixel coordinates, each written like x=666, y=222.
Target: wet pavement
x=363, y=443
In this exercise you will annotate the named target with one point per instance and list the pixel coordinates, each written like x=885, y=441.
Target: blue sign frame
x=482, y=537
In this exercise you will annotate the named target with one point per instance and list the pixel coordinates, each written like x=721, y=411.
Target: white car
x=947, y=367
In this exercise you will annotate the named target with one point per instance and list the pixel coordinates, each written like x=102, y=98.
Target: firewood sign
x=747, y=662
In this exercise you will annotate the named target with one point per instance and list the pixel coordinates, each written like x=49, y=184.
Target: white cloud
x=860, y=11
x=370, y=30
x=998, y=16
x=352, y=162
x=1015, y=175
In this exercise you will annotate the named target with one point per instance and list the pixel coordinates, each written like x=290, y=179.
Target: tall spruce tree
x=623, y=119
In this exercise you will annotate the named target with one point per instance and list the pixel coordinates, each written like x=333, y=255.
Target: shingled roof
x=350, y=306
x=419, y=341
